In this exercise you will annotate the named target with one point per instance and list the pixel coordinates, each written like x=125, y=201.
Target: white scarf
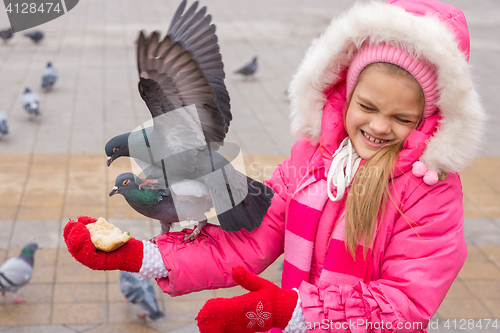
x=344, y=165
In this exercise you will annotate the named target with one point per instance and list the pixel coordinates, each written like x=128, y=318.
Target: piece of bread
x=105, y=236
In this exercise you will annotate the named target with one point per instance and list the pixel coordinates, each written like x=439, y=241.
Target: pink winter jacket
x=419, y=247
x=416, y=256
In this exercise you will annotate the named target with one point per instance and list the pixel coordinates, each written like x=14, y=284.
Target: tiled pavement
x=54, y=169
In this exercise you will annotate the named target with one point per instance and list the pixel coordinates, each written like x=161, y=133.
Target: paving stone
x=122, y=328
x=13, y=314
x=44, y=232
x=80, y=293
x=54, y=169
x=39, y=329
x=78, y=274
x=459, y=290
x=79, y=313
x=479, y=271
x=463, y=309
x=182, y=311
x=38, y=293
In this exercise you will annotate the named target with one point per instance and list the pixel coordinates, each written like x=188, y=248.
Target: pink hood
x=441, y=38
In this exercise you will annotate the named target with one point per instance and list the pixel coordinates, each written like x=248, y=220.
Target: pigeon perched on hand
x=182, y=83
x=6, y=35
x=248, y=71
x=31, y=103
x=17, y=271
x=49, y=77
x=36, y=36
x=140, y=292
x=4, y=124
x=183, y=201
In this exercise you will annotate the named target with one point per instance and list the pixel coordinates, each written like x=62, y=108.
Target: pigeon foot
x=196, y=232
x=18, y=300
x=148, y=182
x=142, y=315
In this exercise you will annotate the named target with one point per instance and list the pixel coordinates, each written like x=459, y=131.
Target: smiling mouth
x=373, y=139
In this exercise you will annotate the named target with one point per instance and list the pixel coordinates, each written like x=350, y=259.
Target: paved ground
x=54, y=169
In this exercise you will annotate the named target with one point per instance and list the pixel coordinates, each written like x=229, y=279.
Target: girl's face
x=384, y=107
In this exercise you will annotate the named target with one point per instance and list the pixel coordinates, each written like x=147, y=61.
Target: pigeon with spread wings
x=181, y=80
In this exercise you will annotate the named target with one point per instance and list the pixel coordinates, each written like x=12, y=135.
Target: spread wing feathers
x=193, y=29
x=177, y=131
x=239, y=201
x=170, y=78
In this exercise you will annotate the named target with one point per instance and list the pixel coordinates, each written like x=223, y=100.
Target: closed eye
x=404, y=121
x=366, y=108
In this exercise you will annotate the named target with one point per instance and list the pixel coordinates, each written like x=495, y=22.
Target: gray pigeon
x=31, y=103
x=4, y=124
x=140, y=292
x=6, y=35
x=249, y=69
x=17, y=271
x=183, y=201
x=49, y=77
x=36, y=36
x=182, y=83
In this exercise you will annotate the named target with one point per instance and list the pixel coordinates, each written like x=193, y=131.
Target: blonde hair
x=367, y=206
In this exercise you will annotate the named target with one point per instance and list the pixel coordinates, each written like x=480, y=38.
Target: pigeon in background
x=31, y=103
x=17, y=271
x=36, y=36
x=249, y=69
x=6, y=35
x=4, y=124
x=49, y=77
x=140, y=292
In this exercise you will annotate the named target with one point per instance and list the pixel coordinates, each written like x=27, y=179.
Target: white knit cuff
x=298, y=322
x=152, y=262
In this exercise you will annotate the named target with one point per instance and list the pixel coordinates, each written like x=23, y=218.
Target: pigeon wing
x=194, y=31
x=185, y=68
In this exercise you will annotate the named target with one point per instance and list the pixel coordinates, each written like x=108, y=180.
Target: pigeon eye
x=125, y=182
x=115, y=150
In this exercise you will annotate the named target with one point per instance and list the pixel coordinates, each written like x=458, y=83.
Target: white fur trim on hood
x=456, y=142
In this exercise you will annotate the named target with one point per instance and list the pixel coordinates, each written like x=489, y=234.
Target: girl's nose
x=380, y=125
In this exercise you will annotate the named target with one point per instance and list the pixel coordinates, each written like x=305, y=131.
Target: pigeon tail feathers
x=250, y=212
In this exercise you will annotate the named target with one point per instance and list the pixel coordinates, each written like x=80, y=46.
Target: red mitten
x=266, y=306
x=126, y=258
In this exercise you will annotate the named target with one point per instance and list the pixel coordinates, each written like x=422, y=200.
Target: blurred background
x=53, y=168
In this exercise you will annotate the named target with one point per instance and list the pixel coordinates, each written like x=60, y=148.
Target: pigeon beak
x=109, y=160
x=114, y=191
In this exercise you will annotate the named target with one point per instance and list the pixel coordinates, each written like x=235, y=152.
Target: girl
x=367, y=209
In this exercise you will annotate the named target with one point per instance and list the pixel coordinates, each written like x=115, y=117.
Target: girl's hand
x=266, y=306
x=77, y=237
